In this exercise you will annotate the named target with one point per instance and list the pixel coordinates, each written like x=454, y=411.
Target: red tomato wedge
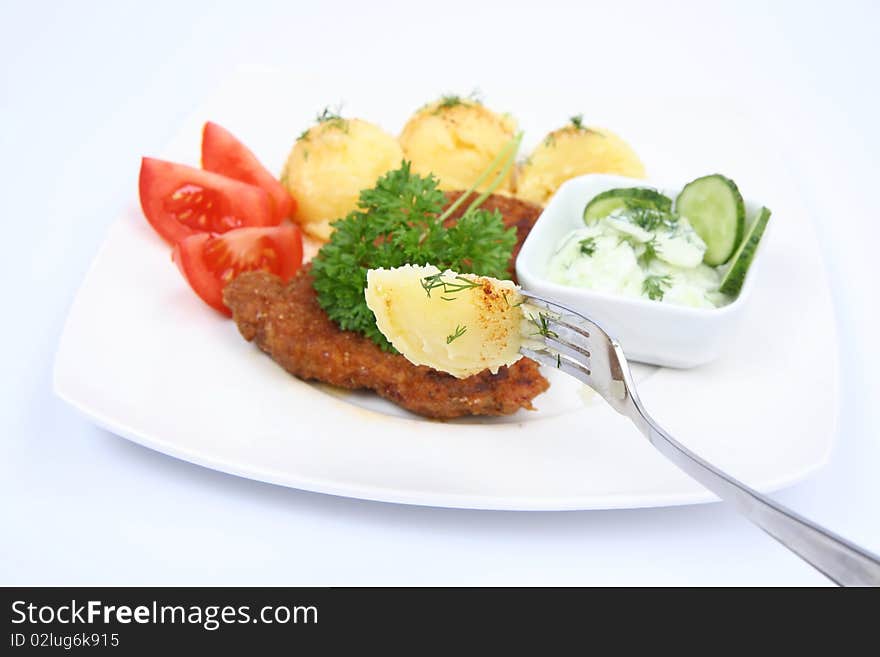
x=180, y=201
x=223, y=153
x=209, y=262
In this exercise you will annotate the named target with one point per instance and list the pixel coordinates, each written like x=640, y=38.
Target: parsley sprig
x=398, y=222
x=652, y=249
x=654, y=287
x=588, y=246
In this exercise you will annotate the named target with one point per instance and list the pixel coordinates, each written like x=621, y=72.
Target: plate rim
x=605, y=502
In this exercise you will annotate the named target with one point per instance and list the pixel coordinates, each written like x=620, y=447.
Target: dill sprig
x=650, y=218
x=654, y=287
x=458, y=284
x=512, y=305
x=329, y=117
x=454, y=100
x=577, y=122
x=542, y=322
x=460, y=330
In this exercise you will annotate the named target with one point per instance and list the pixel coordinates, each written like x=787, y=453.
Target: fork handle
x=840, y=560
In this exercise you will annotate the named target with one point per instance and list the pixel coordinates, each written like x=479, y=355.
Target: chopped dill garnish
x=456, y=285
x=577, y=122
x=460, y=330
x=449, y=101
x=329, y=117
x=332, y=118
x=588, y=246
x=328, y=114
x=655, y=287
x=558, y=361
x=454, y=100
x=550, y=140
x=542, y=321
x=650, y=218
x=513, y=305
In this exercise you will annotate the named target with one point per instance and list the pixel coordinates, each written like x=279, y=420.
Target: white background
x=86, y=88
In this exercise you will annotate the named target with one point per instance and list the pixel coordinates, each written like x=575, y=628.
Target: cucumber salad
x=636, y=242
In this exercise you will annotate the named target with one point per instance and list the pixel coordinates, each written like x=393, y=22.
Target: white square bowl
x=649, y=331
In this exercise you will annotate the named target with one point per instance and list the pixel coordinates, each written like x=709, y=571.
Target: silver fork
x=567, y=340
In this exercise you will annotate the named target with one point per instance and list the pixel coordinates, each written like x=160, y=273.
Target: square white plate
x=144, y=358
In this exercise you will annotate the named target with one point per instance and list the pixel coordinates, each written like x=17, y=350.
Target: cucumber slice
x=715, y=209
x=607, y=202
x=735, y=276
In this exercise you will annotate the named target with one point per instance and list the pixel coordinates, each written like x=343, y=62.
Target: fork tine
x=564, y=321
x=570, y=338
x=566, y=332
x=575, y=352
x=560, y=362
x=562, y=315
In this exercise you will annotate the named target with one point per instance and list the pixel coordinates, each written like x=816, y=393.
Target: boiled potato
x=572, y=151
x=456, y=139
x=329, y=166
x=456, y=323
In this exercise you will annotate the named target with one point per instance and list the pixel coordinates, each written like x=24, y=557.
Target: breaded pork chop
x=286, y=321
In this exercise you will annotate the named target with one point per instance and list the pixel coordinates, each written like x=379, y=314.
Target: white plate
x=145, y=359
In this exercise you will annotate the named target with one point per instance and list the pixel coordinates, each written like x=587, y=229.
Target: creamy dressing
x=645, y=254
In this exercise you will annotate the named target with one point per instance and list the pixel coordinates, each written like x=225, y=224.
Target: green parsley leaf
x=650, y=249
x=655, y=287
x=588, y=246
